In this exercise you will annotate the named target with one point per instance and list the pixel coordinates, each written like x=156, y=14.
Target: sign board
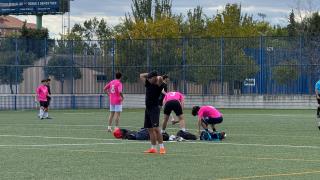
x=33, y=7
x=249, y=82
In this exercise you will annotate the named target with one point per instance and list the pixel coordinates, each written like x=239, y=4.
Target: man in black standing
x=48, y=81
x=152, y=112
x=165, y=79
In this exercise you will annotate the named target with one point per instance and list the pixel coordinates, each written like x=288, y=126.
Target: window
x=101, y=78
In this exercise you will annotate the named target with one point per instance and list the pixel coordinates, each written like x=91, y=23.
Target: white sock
x=183, y=129
x=163, y=131
x=153, y=146
x=41, y=113
x=161, y=145
x=45, y=114
x=109, y=127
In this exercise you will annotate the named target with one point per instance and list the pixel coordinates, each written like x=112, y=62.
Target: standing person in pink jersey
x=114, y=91
x=42, y=97
x=207, y=115
x=173, y=101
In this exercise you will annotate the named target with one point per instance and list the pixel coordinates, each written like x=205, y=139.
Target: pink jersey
x=173, y=96
x=114, y=88
x=208, y=112
x=42, y=92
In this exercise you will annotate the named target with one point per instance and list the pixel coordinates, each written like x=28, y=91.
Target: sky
x=113, y=11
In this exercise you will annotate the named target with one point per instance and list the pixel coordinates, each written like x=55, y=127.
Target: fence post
x=73, y=98
x=16, y=73
x=113, y=57
x=45, y=57
x=148, y=55
x=184, y=41
x=260, y=62
x=101, y=101
x=221, y=63
x=300, y=65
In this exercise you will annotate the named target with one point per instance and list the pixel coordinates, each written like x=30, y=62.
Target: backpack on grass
x=212, y=136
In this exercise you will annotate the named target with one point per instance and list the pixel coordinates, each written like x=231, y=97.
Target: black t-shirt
x=153, y=92
x=49, y=90
x=163, y=86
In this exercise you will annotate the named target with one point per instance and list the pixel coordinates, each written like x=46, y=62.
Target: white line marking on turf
x=275, y=115
x=261, y=145
x=171, y=154
x=136, y=142
x=90, y=125
x=274, y=175
x=66, y=125
x=55, y=137
x=88, y=113
x=52, y=145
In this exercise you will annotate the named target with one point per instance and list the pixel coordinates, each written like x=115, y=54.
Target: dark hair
x=118, y=75
x=152, y=74
x=44, y=80
x=165, y=77
x=195, y=110
x=48, y=79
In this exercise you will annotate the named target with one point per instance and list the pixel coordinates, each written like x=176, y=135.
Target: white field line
x=249, y=114
x=79, y=113
x=275, y=115
x=103, y=126
x=73, y=144
x=170, y=154
x=126, y=141
x=56, y=137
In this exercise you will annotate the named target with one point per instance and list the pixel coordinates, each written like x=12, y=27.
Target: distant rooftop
x=9, y=22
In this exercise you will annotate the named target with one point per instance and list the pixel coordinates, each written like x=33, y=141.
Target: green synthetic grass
x=260, y=144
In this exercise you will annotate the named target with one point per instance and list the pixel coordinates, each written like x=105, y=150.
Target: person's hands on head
x=159, y=80
x=152, y=77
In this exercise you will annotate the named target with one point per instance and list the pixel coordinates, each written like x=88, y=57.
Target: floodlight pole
x=39, y=21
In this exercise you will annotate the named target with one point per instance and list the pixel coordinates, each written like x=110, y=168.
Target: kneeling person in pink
x=173, y=101
x=207, y=115
x=114, y=90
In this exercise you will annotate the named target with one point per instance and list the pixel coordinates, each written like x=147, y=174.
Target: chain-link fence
x=198, y=66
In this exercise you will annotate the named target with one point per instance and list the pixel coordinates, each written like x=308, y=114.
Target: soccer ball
x=179, y=139
x=172, y=138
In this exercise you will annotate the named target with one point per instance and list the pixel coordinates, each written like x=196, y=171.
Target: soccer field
x=260, y=144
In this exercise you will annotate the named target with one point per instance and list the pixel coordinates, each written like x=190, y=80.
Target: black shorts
x=212, y=121
x=49, y=100
x=151, y=117
x=318, y=100
x=44, y=104
x=173, y=105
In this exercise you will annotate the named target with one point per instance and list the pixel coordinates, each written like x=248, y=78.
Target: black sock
x=318, y=111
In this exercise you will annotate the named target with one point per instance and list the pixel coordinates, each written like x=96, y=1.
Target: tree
x=142, y=10
x=62, y=68
x=312, y=47
x=262, y=16
x=285, y=72
x=292, y=26
x=11, y=74
x=136, y=51
x=32, y=38
x=236, y=65
x=195, y=25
